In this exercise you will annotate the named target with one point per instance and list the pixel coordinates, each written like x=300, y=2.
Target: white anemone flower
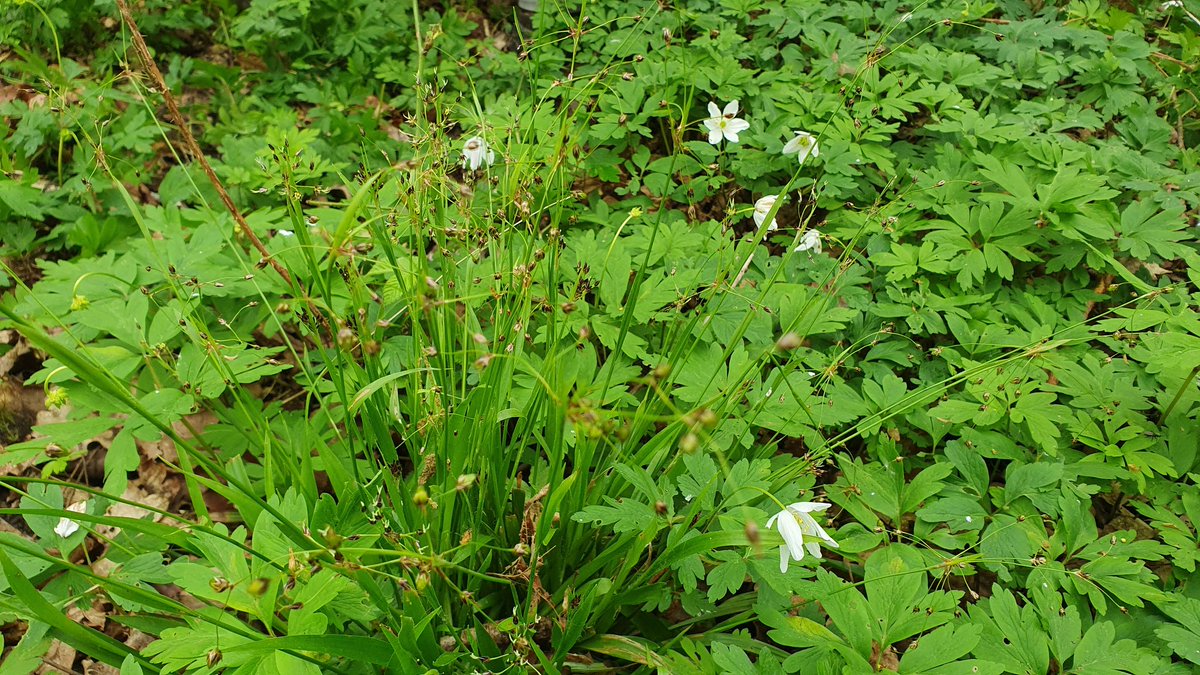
x=476, y=154
x=802, y=144
x=761, y=208
x=67, y=527
x=794, y=524
x=810, y=241
x=724, y=123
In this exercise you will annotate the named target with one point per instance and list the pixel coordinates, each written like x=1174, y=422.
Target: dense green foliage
x=537, y=416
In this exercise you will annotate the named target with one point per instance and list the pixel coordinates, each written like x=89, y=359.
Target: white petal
x=810, y=241
x=713, y=110
x=737, y=126
x=813, y=529
x=475, y=153
x=783, y=559
x=731, y=136
x=761, y=208
x=66, y=527
x=814, y=548
x=731, y=109
x=285, y=233
x=714, y=136
x=792, y=533
x=792, y=146
x=806, y=507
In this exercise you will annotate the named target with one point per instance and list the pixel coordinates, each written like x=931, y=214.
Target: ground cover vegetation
x=714, y=336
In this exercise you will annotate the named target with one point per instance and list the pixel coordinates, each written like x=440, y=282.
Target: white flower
x=795, y=523
x=761, y=208
x=724, y=124
x=810, y=241
x=1170, y=4
x=67, y=527
x=285, y=233
x=476, y=154
x=803, y=144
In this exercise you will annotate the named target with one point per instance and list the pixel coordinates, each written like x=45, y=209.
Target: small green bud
x=258, y=587
x=420, y=498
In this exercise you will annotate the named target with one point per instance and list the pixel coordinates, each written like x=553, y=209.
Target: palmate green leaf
x=809, y=636
x=700, y=482
x=1042, y=417
x=1070, y=189
x=851, y=614
x=21, y=200
x=623, y=515
x=1009, y=540
x=941, y=652
x=1024, y=479
x=1100, y=653
x=806, y=312
x=907, y=260
x=1011, y=635
x=732, y=660
x=1010, y=178
x=187, y=648
x=747, y=480
x=967, y=460
x=895, y=583
x=704, y=374
x=1184, y=637
x=959, y=513
x=1145, y=230
x=923, y=486
x=727, y=576
x=1116, y=579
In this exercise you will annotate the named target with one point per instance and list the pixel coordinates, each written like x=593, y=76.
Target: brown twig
x=143, y=52
x=1166, y=57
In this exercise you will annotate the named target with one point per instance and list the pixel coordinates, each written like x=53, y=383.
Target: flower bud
x=689, y=443
x=420, y=498
x=789, y=342
x=258, y=587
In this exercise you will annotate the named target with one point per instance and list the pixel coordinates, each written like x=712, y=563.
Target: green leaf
x=726, y=577
x=92, y=642
x=1024, y=479
x=732, y=659
x=623, y=515
x=944, y=645
x=1145, y=229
